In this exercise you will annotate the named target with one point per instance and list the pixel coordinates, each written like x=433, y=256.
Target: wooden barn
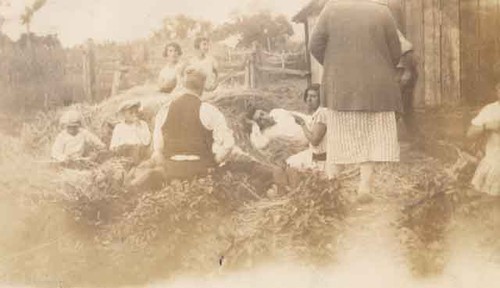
x=456, y=44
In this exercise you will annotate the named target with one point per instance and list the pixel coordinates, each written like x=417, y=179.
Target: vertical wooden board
x=497, y=40
x=487, y=53
x=432, y=52
x=450, y=51
x=468, y=48
x=415, y=33
x=316, y=68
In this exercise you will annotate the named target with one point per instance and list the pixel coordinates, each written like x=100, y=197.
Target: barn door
x=480, y=50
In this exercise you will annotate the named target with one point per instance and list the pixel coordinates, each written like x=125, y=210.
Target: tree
x=3, y=3
x=27, y=16
x=262, y=27
x=181, y=27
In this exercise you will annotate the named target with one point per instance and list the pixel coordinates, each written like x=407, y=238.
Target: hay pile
x=118, y=238
x=93, y=228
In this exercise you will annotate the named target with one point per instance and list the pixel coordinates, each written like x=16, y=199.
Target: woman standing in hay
x=169, y=77
x=357, y=43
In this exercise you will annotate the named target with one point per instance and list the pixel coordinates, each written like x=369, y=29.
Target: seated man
x=74, y=143
x=131, y=136
x=314, y=157
x=278, y=124
x=190, y=136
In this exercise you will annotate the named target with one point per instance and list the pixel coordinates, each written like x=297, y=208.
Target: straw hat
x=71, y=118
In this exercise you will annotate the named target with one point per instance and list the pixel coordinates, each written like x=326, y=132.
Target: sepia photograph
x=249, y=143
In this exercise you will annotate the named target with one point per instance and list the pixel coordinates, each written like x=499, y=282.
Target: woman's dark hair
x=250, y=110
x=198, y=40
x=175, y=45
x=314, y=87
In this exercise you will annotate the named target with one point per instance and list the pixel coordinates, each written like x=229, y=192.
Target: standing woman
x=206, y=63
x=357, y=43
x=169, y=77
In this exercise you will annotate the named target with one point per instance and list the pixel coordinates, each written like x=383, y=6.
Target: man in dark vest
x=190, y=137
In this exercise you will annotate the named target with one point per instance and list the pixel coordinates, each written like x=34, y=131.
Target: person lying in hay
x=192, y=139
x=277, y=124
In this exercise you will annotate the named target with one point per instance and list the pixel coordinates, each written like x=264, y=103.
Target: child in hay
x=74, y=143
x=131, y=137
x=487, y=176
x=314, y=129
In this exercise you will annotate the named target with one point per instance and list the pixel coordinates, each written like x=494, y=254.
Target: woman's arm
x=477, y=130
x=316, y=134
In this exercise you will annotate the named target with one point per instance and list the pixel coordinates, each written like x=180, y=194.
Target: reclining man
x=277, y=124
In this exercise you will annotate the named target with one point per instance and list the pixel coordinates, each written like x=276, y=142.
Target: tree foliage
x=29, y=11
x=181, y=27
x=262, y=27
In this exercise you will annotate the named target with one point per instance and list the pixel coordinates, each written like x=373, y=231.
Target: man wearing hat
x=190, y=136
x=131, y=136
x=74, y=142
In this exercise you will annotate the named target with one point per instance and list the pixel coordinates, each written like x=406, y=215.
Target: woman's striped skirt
x=359, y=136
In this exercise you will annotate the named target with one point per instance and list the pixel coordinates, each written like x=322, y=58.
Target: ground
x=424, y=228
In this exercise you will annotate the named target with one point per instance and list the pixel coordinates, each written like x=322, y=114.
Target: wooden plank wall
x=450, y=51
x=480, y=53
x=414, y=19
x=433, y=27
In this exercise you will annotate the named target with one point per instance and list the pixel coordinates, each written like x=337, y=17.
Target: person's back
x=356, y=41
x=184, y=134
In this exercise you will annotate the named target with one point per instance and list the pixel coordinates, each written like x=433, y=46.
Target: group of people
x=184, y=81
x=170, y=75
x=368, y=81
x=189, y=138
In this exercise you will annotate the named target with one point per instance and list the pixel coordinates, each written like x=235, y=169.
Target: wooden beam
x=308, y=54
x=432, y=52
x=450, y=51
x=278, y=70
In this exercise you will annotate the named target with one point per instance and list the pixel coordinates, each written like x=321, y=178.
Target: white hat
x=71, y=118
x=129, y=105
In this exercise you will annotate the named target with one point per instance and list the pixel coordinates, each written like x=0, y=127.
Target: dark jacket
x=357, y=43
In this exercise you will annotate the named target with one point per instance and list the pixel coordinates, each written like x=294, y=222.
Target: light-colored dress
x=134, y=134
x=487, y=176
x=304, y=160
x=169, y=78
x=209, y=66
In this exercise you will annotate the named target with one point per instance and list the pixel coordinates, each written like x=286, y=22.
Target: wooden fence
x=253, y=65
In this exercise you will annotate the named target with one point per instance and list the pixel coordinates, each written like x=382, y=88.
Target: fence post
x=89, y=77
x=283, y=58
x=117, y=76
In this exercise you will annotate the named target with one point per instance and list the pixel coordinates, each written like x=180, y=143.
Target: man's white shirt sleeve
x=213, y=120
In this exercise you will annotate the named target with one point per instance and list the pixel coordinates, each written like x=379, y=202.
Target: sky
x=74, y=21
